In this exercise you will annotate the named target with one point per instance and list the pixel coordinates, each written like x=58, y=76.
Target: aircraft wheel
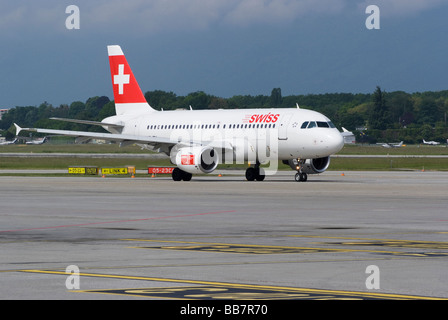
x=304, y=177
x=251, y=174
x=301, y=177
x=186, y=176
x=177, y=174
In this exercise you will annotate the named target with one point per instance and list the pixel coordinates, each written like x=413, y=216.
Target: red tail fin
x=128, y=96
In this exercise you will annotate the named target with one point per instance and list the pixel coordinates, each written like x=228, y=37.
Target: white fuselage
x=280, y=133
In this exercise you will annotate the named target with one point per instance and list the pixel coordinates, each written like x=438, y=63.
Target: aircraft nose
x=335, y=142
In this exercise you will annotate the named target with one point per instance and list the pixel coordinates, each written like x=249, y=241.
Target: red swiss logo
x=261, y=118
x=187, y=159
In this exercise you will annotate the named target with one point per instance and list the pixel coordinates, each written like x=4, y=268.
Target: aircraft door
x=283, y=126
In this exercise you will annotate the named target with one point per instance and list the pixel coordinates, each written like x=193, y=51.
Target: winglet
x=18, y=129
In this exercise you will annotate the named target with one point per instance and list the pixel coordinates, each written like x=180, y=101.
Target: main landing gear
x=253, y=173
x=179, y=175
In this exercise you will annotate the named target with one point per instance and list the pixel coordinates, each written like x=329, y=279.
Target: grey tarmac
x=224, y=237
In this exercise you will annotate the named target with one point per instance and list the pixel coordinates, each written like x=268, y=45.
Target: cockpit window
x=318, y=124
x=322, y=124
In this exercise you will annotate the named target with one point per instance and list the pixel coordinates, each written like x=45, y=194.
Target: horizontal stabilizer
x=94, y=123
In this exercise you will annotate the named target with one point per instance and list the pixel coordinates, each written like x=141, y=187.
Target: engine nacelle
x=197, y=159
x=311, y=166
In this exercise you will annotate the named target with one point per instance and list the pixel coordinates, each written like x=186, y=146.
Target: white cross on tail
x=121, y=79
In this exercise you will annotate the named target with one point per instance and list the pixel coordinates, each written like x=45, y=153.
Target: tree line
x=377, y=116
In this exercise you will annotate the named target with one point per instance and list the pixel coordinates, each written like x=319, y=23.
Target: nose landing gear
x=301, y=177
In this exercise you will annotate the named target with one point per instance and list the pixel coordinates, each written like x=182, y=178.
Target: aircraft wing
x=219, y=144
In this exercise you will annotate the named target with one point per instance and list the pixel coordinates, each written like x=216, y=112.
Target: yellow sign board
x=114, y=171
x=83, y=170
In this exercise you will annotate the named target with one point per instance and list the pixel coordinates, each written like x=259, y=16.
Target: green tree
x=77, y=109
x=198, y=100
x=161, y=99
x=401, y=108
x=379, y=114
x=429, y=112
x=94, y=106
x=107, y=110
x=276, y=98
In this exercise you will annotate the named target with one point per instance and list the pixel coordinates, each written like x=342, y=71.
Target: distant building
x=2, y=112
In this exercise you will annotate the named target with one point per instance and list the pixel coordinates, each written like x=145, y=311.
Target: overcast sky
x=222, y=47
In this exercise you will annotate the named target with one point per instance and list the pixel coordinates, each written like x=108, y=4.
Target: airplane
x=37, y=142
x=349, y=137
x=432, y=143
x=392, y=145
x=5, y=143
x=198, y=140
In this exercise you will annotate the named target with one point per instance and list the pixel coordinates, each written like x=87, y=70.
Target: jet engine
x=197, y=159
x=318, y=165
x=311, y=166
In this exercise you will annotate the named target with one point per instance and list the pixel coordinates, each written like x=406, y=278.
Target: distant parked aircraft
x=39, y=141
x=392, y=145
x=432, y=143
x=349, y=137
x=4, y=143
